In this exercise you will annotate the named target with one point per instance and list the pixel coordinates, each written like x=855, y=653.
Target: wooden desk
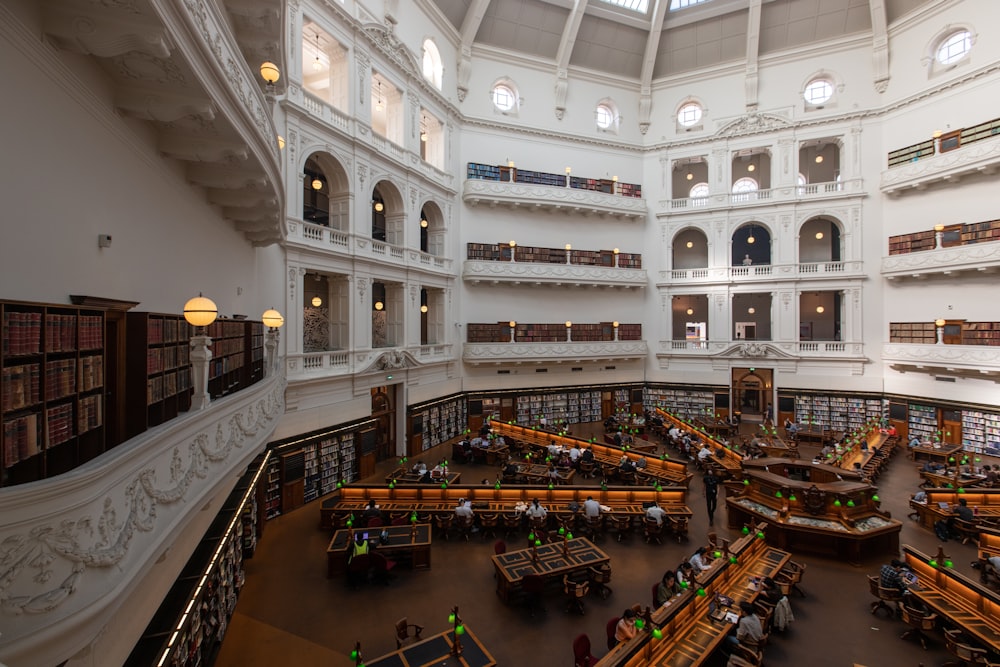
x=414, y=543
x=551, y=562
x=404, y=476
x=425, y=498
x=814, y=432
x=985, y=504
x=715, y=427
x=637, y=444
x=963, y=602
x=729, y=465
x=537, y=473
x=941, y=453
x=935, y=480
x=989, y=543
x=775, y=447
x=690, y=635
x=436, y=650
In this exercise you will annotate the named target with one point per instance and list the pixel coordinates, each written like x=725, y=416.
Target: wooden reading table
x=985, y=504
x=638, y=444
x=989, y=543
x=537, y=473
x=436, y=650
x=404, y=476
x=551, y=561
x=963, y=602
x=775, y=447
x=716, y=427
x=814, y=432
x=730, y=464
x=928, y=452
x=950, y=480
x=413, y=542
x=690, y=633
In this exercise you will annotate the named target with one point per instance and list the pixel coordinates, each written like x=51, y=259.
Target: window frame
x=510, y=91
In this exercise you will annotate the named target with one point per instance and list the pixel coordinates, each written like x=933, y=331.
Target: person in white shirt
x=464, y=510
x=704, y=453
x=499, y=441
x=591, y=508
x=536, y=511
x=698, y=560
x=478, y=442
x=654, y=511
x=674, y=432
x=574, y=454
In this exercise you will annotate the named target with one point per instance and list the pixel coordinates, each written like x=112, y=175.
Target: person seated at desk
x=463, y=511
x=626, y=629
x=991, y=475
x=440, y=470
x=554, y=450
x=479, y=443
x=890, y=576
x=914, y=442
x=685, y=575
x=587, y=454
x=510, y=470
x=535, y=510
x=591, y=508
x=499, y=441
x=640, y=463
x=358, y=547
x=574, y=454
x=963, y=511
x=372, y=511
x=618, y=439
x=564, y=462
x=933, y=466
x=420, y=468
x=466, y=447
x=864, y=444
x=668, y=588
x=920, y=497
x=625, y=464
x=749, y=630
x=827, y=451
x=769, y=591
x=703, y=454
x=656, y=513
x=697, y=560
x=553, y=474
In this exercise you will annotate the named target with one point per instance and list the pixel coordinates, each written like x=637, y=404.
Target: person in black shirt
x=711, y=493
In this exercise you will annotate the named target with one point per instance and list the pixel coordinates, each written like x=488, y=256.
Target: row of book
x=21, y=332
x=20, y=386
x=58, y=424
x=227, y=346
x=159, y=359
x=90, y=413
x=60, y=378
x=226, y=329
x=166, y=330
x=169, y=384
x=20, y=439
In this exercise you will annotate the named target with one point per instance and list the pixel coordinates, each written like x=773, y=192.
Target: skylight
x=681, y=4
x=634, y=5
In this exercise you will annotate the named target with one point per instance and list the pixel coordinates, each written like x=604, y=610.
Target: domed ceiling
x=663, y=38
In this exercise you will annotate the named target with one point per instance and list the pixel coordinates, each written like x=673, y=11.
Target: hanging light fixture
x=690, y=176
x=751, y=239
x=379, y=207
x=690, y=244
x=378, y=103
x=751, y=310
x=423, y=223
x=820, y=309
x=423, y=308
x=751, y=167
x=317, y=302
x=281, y=143
x=690, y=311
x=317, y=65
x=379, y=305
x=423, y=128
x=317, y=183
x=819, y=235
x=270, y=73
x=819, y=159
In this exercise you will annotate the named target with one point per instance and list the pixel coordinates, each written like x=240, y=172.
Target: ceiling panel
x=896, y=9
x=528, y=26
x=609, y=46
x=703, y=44
x=790, y=23
x=454, y=10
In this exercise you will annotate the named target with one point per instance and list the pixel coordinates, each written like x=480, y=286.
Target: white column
x=201, y=355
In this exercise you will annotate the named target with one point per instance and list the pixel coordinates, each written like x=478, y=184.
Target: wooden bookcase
x=157, y=370
x=51, y=389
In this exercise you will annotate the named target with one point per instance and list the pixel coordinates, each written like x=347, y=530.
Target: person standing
x=711, y=492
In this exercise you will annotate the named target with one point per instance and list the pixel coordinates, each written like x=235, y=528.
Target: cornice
x=568, y=351
x=559, y=200
x=979, y=257
x=532, y=273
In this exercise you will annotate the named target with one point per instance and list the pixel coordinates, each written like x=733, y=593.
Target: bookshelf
x=226, y=368
x=911, y=153
x=907, y=243
x=348, y=460
x=682, y=403
x=157, y=370
x=500, y=252
x=922, y=422
x=311, y=486
x=272, y=495
x=560, y=408
x=981, y=432
x=981, y=333
x=921, y=333
x=503, y=173
x=442, y=420
x=51, y=389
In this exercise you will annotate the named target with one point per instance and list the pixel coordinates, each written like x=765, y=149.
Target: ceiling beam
x=649, y=63
x=880, y=45
x=470, y=27
x=753, y=53
x=569, y=34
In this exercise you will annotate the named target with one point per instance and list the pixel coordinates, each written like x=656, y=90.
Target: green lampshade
x=701, y=592
x=657, y=633
x=850, y=503
x=875, y=498
x=746, y=482
x=746, y=531
x=451, y=618
x=792, y=498
x=538, y=543
x=497, y=485
x=732, y=560
x=777, y=494
x=459, y=629
x=354, y=655
x=562, y=531
x=948, y=563
x=718, y=554
x=933, y=563
x=551, y=486
x=760, y=535
x=951, y=459
x=531, y=537
x=639, y=623
x=659, y=488
x=350, y=523
x=684, y=584
x=413, y=519
x=392, y=485
x=836, y=503
x=444, y=485
x=569, y=536
x=960, y=490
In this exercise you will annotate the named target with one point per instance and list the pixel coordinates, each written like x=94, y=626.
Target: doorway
x=751, y=390
x=384, y=414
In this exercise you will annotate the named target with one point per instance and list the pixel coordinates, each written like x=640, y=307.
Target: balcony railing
x=972, y=361
x=772, y=195
x=356, y=245
x=335, y=363
x=775, y=349
x=811, y=270
x=559, y=352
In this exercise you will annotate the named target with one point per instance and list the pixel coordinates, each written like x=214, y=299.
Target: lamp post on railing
x=614, y=185
x=512, y=244
x=614, y=325
x=569, y=170
x=569, y=331
x=273, y=320
x=938, y=235
x=939, y=323
x=615, y=251
x=569, y=251
x=199, y=313
x=513, y=328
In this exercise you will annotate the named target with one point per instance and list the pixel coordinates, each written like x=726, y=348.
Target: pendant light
x=317, y=65
x=750, y=239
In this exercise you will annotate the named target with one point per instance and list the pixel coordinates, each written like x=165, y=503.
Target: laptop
x=945, y=506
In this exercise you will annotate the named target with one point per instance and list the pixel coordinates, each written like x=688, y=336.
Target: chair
x=404, y=636
x=653, y=591
x=619, y=525
x=463, y=526
x=358, y=570
x=443, y=524
x=746, y=654
x=883, y=595
x=679, y=527
x=400, y=521
x=581, y=652
x=499, y=547
x=511, y=525
x=790, y=576
x=652, y=531
x=966, y=530
x=593, y=527
x=374, y=522
x=381, y=568
x=627, y=477
x=967, y=654
x=599, y=578
x=609, y=629
x=532, y=588
x=575, y=592
x=920, y=622
x=488, y=523
x=586, y=470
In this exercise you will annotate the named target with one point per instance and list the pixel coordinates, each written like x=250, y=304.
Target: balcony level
x=844, y=189
x=786, y=354
x=944, y=361
x=359, y=246
x=517, y=343
x=520, y=265
x=943, y=262
x=834, y=270
x=320, y=365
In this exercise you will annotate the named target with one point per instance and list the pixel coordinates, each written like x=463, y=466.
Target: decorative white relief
x=43, y=565
x=981, y=156
x=569, y=200
x=562, y=273
x=971, y=257
x=753, y=123
x=553, y=351
x=973, y=356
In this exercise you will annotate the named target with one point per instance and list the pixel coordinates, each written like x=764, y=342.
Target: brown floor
x=289, y=613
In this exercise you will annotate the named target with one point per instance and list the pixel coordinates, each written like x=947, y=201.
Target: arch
x=431, y=235
x=751, y=240
x=745, y=189
x=694, y=256
x=387, y=223
x=699, y=192
x=820, y=239
x=328, y=204
x=432, y=67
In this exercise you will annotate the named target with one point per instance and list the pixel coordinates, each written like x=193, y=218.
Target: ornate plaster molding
x=542, y=197
x=980, y=157
x=972, y=257
x=571, y=274
x=562, y=351
x=985, y=358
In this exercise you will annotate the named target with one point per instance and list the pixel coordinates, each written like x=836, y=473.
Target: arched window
x=433, y=69
x=818, y=91
x=745, y=189
x=606, y=116
x=689, y=115
x=699, y=194
x=954, y=47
